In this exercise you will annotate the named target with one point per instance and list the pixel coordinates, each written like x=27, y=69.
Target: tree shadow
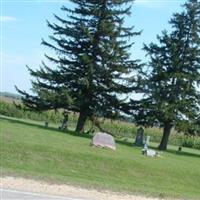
x=171, y=151
x=42, y=127
x=179, y=153
x=125, y=143
x=183, y=153
x=89, y=136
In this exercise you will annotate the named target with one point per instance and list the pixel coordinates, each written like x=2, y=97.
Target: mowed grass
x=29, y=149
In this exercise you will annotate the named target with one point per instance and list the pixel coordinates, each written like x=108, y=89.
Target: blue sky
x=23, y=24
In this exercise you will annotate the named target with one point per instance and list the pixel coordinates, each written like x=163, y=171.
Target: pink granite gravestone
x=104, y=140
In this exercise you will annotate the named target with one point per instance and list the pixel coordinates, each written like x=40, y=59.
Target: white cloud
x=7, y=19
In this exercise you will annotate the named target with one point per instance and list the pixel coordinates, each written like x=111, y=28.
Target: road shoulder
x=29, y=185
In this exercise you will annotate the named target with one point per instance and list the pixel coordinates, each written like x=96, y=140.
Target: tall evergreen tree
x=92, y=61
x=172, y=79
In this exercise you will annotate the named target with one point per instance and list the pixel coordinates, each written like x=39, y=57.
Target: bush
x=197, y=143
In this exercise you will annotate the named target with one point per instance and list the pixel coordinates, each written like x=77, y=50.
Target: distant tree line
x=94, y=75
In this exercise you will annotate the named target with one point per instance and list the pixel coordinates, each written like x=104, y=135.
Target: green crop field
x=29, y=149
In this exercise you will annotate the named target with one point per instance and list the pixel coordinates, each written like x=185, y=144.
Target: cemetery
x=109, y=108
x=49, y=153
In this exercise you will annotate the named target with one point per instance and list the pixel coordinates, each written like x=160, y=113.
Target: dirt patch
x=63, y=190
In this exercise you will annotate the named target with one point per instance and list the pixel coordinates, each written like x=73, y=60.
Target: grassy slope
x=29, y=149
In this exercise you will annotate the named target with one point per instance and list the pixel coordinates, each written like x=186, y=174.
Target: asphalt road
x=7, y=194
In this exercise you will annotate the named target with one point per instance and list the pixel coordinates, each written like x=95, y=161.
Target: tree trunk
x=165, y=138
x=81, y=121
x=97, y=124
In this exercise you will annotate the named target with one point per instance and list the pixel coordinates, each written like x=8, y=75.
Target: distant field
x=29, y=149
x=9, y=99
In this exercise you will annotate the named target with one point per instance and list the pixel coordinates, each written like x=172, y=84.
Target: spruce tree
x=171, y=84
x=92, y=63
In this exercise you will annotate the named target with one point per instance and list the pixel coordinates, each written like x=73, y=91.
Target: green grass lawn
x=29, y=149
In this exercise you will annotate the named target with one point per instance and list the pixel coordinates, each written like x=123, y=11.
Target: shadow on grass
x=69, y=132
x=171, y=151
x=183, y=153
x=126, y=143
x=86, y=135
x=179, y=153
